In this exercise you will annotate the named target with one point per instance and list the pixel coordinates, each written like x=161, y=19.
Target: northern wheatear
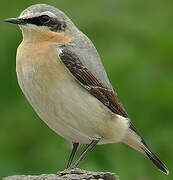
x=61, y=75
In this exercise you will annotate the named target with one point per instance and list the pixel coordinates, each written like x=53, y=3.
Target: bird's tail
x=135, y=140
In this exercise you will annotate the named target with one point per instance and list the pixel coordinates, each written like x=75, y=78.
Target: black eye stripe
x=41, y=20
x=45, y=20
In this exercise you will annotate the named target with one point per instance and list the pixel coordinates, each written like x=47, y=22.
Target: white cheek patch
x=32, y=26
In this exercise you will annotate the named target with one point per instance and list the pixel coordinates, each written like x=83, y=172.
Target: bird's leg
x=89, y=147
x=75, y=146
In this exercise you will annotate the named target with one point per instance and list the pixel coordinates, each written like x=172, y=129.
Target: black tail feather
x=149, y=153
x=157, y=161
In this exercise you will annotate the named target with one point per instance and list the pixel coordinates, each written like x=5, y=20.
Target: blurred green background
x=135, y=41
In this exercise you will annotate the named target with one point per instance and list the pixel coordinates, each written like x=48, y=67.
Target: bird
x=61, y=74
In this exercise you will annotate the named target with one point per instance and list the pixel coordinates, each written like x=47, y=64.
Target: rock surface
x=72, y=174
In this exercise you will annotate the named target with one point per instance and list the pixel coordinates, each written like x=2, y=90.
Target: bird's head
x=44, y=22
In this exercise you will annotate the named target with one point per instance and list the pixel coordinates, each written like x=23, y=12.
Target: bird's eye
x=44, y=19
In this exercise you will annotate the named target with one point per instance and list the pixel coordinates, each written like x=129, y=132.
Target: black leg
x=75, y=146
x=89, y=147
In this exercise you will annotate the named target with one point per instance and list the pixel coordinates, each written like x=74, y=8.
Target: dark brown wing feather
x=104, y=94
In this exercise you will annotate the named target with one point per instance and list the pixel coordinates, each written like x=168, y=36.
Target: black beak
x=16, y=21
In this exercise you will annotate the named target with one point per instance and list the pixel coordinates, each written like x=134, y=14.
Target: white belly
x=64, y=105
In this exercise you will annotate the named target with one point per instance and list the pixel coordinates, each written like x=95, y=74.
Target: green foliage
x=135, y=40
